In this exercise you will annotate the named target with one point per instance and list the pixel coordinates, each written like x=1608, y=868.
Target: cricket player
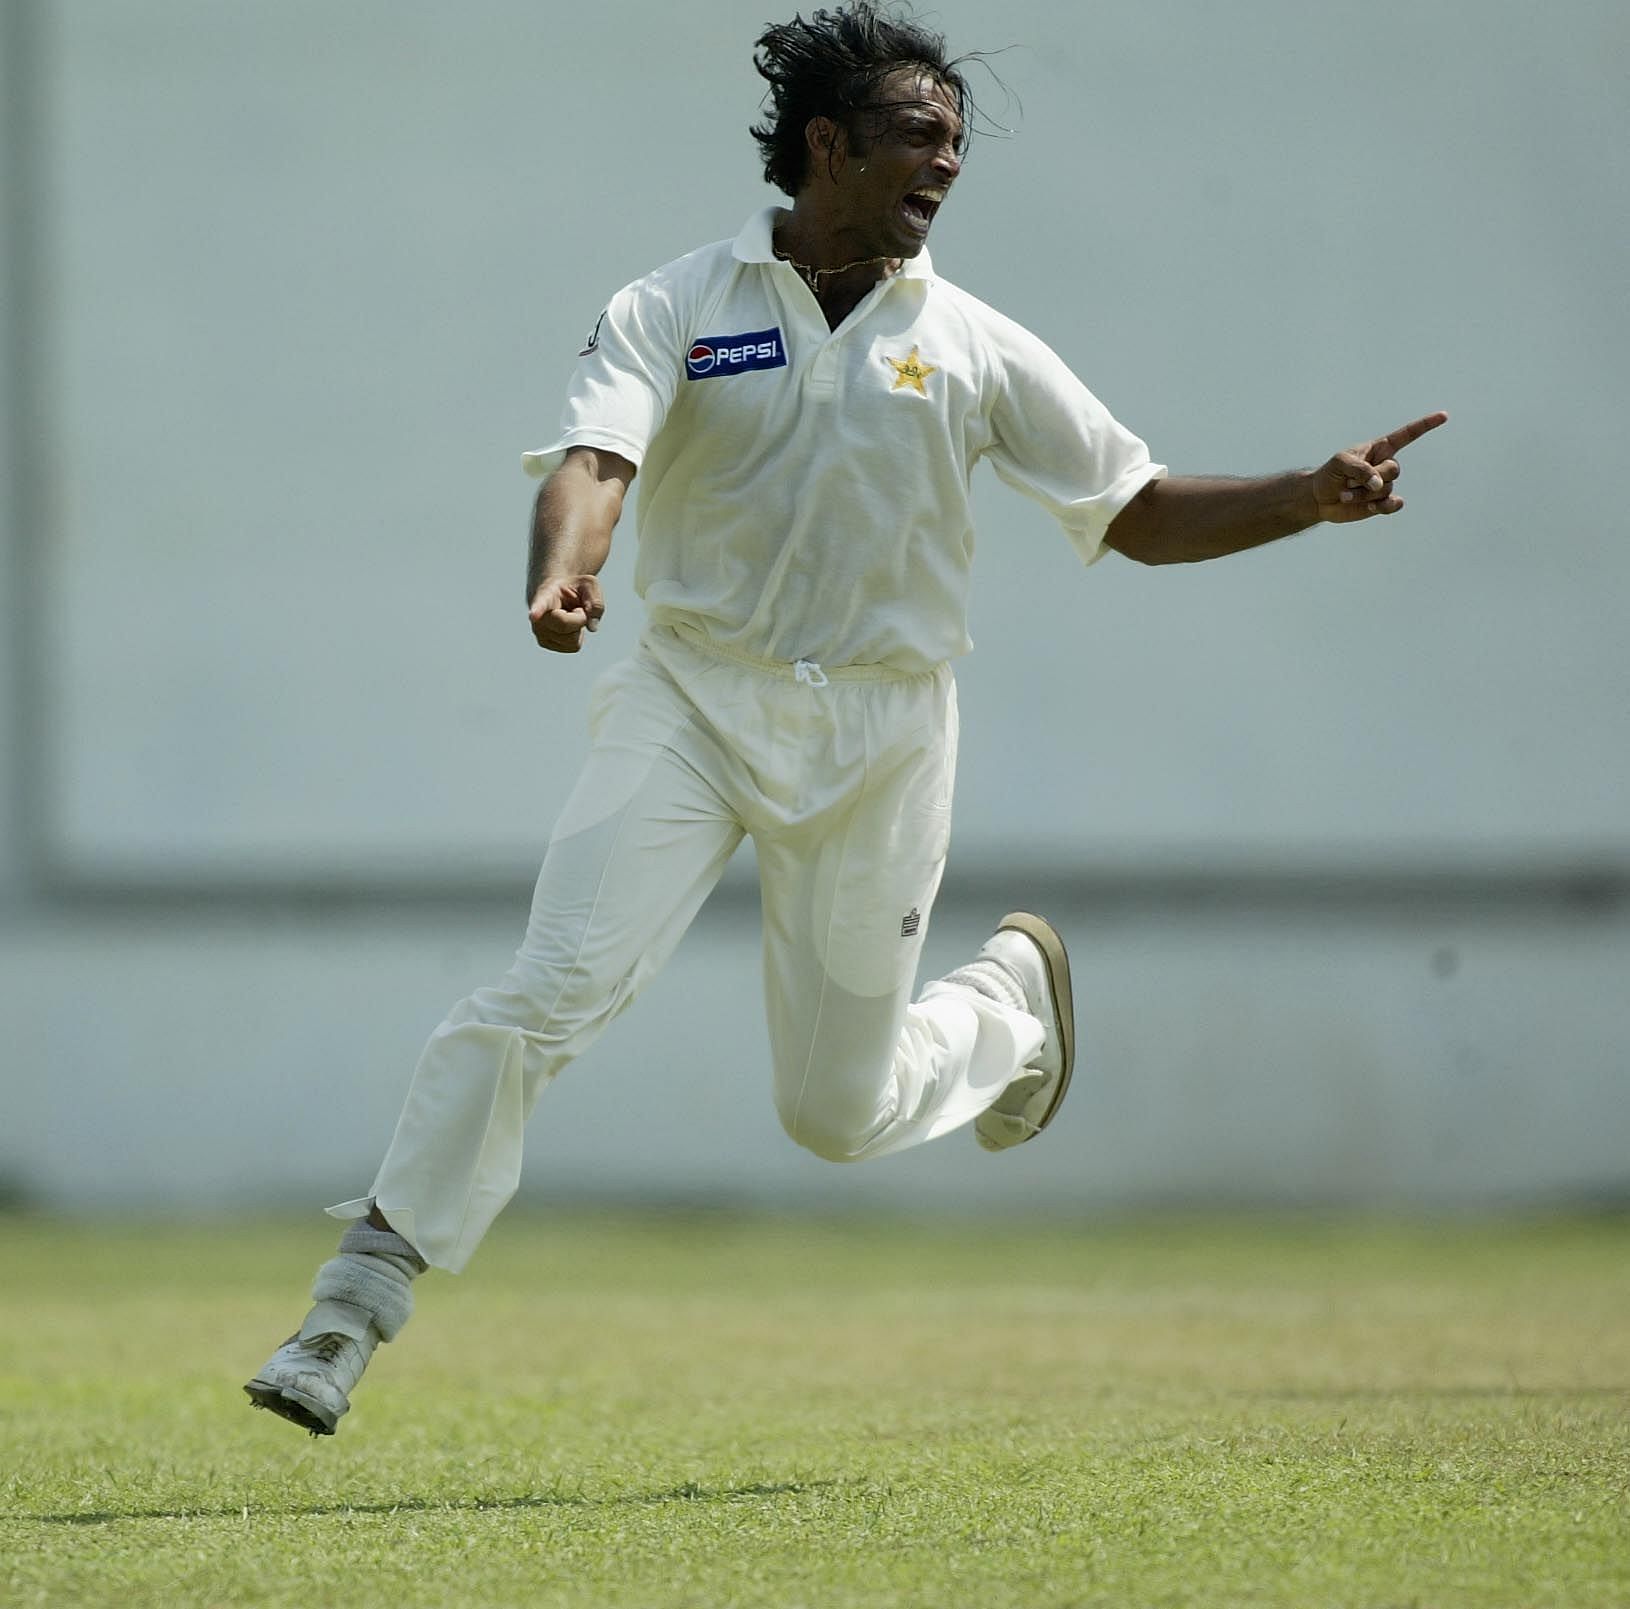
x=803, y=407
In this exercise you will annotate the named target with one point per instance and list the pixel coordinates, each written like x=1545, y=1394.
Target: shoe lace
x=327, y=1347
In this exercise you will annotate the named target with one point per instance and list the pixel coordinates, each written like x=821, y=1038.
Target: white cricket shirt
x=804, y=492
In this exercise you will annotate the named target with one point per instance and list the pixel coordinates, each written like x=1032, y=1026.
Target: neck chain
x=812, y=277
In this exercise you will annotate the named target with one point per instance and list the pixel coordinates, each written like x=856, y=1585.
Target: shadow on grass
x=1416, y=1393
x=687, y=1492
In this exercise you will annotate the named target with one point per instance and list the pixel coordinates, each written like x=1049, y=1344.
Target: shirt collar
x=755, y=244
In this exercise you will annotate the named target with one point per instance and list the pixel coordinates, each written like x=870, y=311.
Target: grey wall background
x=1341, y=828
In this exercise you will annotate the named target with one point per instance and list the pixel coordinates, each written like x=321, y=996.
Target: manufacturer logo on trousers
x=913, y=921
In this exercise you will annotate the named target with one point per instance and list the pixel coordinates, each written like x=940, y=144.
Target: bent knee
x=542, y=1005
x=830, y=1145
x=835, y=1131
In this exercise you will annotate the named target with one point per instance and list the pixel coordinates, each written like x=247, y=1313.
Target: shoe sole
x=297, y=1408
x=1046, y=938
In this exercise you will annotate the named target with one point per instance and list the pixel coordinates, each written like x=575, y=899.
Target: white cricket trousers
x=843, y=777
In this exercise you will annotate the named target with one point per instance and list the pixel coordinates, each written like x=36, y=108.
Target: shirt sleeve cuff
x=546, y=460
x=1091, y=536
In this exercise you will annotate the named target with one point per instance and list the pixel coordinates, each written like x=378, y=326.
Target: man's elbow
x=1133, y=545
x=595, y=467
x=1134, y=533
x=591, y=482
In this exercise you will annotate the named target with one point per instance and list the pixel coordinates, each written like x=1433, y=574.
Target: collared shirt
x=804, y=491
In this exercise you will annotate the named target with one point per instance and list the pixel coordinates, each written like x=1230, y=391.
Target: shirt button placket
x=823, y=372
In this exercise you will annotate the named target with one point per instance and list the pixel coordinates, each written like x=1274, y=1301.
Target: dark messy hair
x=832, y=66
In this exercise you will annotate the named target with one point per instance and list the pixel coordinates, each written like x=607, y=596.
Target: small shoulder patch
x=594, y=337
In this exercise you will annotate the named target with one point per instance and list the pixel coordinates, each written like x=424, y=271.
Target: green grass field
x=773, y=1413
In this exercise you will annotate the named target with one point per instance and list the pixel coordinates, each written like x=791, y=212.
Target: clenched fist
x=563, y=608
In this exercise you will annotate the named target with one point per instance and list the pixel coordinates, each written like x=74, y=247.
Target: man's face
x=893, y=173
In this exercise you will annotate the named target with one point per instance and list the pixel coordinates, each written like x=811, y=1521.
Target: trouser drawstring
x=809, y=673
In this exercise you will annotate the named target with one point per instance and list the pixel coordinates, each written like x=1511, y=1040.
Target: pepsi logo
x=714, y=357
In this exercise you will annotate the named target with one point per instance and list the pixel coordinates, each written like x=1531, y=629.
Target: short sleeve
x=1055, y=441
x=624, y=382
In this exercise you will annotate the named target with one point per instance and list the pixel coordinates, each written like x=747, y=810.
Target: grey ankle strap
x=370, y=1284
x=361, y=1236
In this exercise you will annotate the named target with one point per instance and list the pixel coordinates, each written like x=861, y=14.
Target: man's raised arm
x=578, y=507
x=1183, y=519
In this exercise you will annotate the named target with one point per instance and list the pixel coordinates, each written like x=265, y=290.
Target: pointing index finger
x=1405, y=434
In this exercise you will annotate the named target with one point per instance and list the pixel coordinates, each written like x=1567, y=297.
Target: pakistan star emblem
x=912, y=372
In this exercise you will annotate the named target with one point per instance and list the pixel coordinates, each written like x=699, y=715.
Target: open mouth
x=920, y=206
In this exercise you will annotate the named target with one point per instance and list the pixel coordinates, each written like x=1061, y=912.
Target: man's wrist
x=1302, y=501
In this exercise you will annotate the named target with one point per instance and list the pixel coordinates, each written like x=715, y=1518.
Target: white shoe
x=363, y=1298
x=310, y=1381
x=1029, y=953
